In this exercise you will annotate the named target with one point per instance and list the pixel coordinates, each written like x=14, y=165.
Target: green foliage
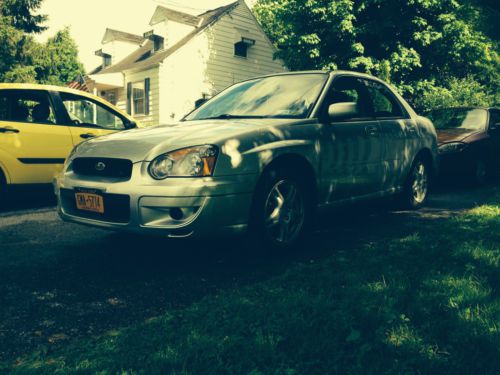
x=22, y=59
x=57, y=62
x=20, y=13
x=407, y=43
x=459, y=92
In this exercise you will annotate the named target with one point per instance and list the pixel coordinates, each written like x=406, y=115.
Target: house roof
x=162, y=13
x=143, y=56
x=112, y=34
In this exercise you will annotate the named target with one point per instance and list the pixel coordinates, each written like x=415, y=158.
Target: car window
x=459, y=118
x=350, y=90
x=494, y=117
x=29, y=106
x=282, y=96
x=4, y=109
x=88, y=113
x=384, y=103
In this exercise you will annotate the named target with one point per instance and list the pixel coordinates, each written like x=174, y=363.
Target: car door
x=353, y=159
x=32, y=146
x=399, y=131
x=89, y=118
x=494, y=133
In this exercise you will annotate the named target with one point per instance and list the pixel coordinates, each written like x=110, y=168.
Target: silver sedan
x=259, y=158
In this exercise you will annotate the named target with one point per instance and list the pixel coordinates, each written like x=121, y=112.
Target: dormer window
x=107, y=59
x=243, y=40
x=158, y=41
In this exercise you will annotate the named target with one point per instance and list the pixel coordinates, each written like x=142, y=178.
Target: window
x=241, y=49
x=26, y=106
x=107, y=60
x=384, y=102
x=87, y=113
x=350, y=90
x=4, y=109
x=158, y=43
x=138, y=98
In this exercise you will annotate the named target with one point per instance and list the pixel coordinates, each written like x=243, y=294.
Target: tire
x=479, y=175
x=416, y=187
x=281, y=211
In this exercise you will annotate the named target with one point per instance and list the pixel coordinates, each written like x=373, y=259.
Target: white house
x=181, y=59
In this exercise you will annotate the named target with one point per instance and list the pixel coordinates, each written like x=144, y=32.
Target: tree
x=22, y=59
x=20, y=14
x=57, y=61
x=413, y=44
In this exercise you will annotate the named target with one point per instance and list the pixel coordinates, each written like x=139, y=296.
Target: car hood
x=147, y=143
x=454, y=135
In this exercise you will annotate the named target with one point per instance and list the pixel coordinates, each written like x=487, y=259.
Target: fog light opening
x=176, y=213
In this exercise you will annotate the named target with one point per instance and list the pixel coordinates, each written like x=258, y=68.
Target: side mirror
x=342, y=111
x=130, y=125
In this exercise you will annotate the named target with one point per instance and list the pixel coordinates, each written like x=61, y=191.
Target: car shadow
x=29, y=197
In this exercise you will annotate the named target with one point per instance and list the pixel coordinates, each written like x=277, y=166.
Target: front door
x=353, y=161
x=89, y=118
x=33, y=147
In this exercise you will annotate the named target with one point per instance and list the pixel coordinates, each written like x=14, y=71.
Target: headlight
x=198, y=161
x=451, y=147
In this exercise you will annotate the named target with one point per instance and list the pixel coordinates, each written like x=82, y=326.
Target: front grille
x=103, y=167
x=116, y=207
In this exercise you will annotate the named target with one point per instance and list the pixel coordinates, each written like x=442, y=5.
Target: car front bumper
x=174, y=207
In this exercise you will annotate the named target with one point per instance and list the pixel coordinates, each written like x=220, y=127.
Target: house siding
x=223, y=67
x=154, y=95
x=207, y=64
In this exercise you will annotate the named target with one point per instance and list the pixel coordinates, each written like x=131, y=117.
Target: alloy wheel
x=284, y=212
x=420, y=183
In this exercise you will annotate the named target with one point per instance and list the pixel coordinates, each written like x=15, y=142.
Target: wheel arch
x=299, y=163
x=425, y=154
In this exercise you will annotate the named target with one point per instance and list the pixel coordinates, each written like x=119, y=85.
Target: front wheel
x=281, y=210
x=416, y=187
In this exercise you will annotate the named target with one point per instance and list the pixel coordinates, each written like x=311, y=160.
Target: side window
x=4, y=106
x=384, y=102
x=87, y=113
x=494, y=116
x=350, y=90
x=29, y=106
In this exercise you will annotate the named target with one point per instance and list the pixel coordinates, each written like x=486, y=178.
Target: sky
x=88, y=19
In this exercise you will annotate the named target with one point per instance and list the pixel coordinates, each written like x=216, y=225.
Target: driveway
x=61, y=281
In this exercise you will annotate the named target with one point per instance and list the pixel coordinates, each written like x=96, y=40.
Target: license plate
x=89, y=202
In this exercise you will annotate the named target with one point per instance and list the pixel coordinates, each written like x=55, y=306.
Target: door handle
x=371, y=130
x=9, y=129
x=87, y=135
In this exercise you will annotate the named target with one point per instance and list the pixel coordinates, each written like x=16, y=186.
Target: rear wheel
x=416, y=188
x=281, y=210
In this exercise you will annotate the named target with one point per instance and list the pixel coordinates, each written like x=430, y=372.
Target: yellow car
x=40, y=125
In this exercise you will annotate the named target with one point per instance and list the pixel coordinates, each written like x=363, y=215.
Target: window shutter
x=146, y=95
x=129, y=98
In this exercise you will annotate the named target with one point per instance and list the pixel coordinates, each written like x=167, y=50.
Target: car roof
x=463, y=107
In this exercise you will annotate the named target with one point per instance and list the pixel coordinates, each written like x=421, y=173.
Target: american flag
x=78, y=84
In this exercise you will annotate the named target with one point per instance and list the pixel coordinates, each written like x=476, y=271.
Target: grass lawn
x=424, y=302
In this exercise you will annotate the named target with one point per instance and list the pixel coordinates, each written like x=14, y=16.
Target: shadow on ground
x=104, y=281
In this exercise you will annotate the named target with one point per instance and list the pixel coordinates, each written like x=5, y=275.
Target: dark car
x=469, y=142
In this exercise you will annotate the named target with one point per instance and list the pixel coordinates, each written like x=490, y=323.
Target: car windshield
x=459, y=118
x=283, y=96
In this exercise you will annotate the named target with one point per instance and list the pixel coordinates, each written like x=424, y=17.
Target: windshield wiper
x=227, y=116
